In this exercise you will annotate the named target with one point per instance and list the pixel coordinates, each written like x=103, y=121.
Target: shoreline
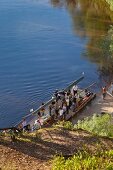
x=97, y=106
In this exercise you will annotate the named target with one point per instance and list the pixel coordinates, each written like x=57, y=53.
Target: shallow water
x=43, y=46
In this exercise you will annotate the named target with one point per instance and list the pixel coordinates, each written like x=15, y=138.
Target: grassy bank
x=61, y=147
x=100, y=125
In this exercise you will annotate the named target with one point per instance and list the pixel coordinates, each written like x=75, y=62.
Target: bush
x=65, y=124
x=99, y=125
x=110, y=2
x=68, y=125
x=84, y=161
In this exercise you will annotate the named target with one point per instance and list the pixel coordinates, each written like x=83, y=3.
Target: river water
x=45, y=45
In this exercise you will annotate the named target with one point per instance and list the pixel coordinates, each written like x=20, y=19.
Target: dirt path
x=98, y=105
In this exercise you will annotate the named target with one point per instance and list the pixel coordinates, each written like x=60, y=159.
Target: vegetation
x=64, y=124
x=78, y=148
x=110, y=2
x=91, y=20
x=85, y=161
x=99, y=125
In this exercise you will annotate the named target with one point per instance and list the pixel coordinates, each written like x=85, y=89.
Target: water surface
x=45, y=45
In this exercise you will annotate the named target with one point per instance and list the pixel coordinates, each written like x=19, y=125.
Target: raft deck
x=32, y=117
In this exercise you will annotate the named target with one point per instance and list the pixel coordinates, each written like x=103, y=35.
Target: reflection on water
x=92, y=20
x=46, y=44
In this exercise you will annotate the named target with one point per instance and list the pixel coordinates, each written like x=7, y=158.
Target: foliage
x=110, y=2
x=65, y=124
x=101, y=125
x=84, y=160
x=68, y=125
x=97, y=124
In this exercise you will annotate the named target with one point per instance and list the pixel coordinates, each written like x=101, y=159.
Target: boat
x=34, y=121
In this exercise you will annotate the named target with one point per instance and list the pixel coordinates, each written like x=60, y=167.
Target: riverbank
x=35, y=151
x=98, y=105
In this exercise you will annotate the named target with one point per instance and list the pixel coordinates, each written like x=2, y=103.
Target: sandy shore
x=98, y=105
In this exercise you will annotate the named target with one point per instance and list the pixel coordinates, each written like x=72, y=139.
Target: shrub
x=84, y=161
x=65, y=124
x=99, y=125
x=110, y=2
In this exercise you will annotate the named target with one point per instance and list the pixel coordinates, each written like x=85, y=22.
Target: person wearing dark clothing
x=87, y=93
x=56, y=93
x=104, y=90
x=74, y=99
x=39, y=114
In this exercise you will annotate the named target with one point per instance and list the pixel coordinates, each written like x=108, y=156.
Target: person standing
x=61, y=111
x=104, y=90
x=67, y=103
x=75, y=88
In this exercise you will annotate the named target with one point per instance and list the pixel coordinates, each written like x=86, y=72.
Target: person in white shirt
x=61, y=111
x=75, y=88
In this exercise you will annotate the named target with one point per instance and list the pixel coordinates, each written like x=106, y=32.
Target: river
x=45, y=45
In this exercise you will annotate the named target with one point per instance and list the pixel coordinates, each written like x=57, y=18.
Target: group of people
x=65, y=101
